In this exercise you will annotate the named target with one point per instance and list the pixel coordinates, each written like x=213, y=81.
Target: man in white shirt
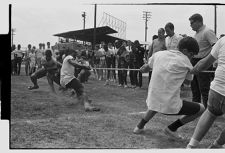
x=170, y=69
x=18, y=58
x=206, y=38
x=216, y=100
x=68, y=80
x=172, y=39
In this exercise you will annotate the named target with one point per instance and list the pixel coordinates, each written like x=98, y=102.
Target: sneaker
x=137, y=130
x=190, y=147
x=91, y=109
x=172, y=134
x=106, y=83
x=125, y=86
x=34, y=87
x=120, y=85
x=213, y=146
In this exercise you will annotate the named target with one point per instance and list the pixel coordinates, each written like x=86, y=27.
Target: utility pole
x=146, y=16
x=12, y=33
x=84, y=18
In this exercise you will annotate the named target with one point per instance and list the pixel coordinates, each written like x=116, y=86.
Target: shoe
x=34, y=87
x=125, y=86
x=137, y=130
x=190, y=147
x=106, y=83
x=172, y=135
x=213, y=146
x=120, y=85
x=91, y=109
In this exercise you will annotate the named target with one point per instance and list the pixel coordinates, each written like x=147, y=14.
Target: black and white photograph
x=116, y=75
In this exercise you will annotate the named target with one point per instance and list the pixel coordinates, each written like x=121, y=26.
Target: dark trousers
x=200, y=85
x=108, y=65
x=139, y=75
x=18, y=64
x=122, y=74
x=133, y=81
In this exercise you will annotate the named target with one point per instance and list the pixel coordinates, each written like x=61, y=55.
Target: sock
x=193, y=142
x=141, y=124
x=175, y=125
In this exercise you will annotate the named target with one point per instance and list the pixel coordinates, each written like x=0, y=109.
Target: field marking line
x=135, y=113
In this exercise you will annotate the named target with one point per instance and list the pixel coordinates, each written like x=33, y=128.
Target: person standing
x=32, y=59
x=27, y=60
x=158, y=44
x=139, y=53
x=18, y=58
x=172, y=38
x=39, y=55
x=13, y=72
x=206, y=38
x=216, y=101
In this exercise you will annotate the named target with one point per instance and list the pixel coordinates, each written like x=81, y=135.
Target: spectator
x=206, y=38
x=27, y=60
x=18, y=58
x=172, y=39
x=139, y=53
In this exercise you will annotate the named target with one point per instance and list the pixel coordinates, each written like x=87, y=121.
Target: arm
x=78, y=65
x=203, y=64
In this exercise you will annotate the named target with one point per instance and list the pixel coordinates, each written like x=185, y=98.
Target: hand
x=145, y=68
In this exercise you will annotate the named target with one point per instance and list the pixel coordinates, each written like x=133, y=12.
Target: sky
x=36, y=21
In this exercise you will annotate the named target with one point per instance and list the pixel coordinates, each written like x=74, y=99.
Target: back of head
x=190, y=44
x=196, y=17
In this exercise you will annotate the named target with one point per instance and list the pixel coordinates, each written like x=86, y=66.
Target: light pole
x=13, y=30
x=146, y=16
x=84, y=18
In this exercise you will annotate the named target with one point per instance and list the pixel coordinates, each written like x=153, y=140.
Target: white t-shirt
x=172, y=42
x=218, y=52
x=170, y=69
x=67, y=71
x=32, y=57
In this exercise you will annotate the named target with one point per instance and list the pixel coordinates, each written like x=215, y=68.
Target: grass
x=40, y=119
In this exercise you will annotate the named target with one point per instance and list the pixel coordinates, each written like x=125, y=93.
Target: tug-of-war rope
x=137, y=69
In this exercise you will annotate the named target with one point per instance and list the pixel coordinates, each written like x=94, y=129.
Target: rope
x=138, y=69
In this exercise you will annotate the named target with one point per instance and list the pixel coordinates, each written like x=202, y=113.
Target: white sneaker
x=172, y=135
x=137, y=130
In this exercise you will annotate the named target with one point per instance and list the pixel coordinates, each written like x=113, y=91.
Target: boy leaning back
x=170, y=69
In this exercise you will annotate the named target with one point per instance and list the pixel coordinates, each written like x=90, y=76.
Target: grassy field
x=40, y=119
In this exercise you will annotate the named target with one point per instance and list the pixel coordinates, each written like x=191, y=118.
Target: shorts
x=77, y=86
x=40, y=73
x=188, y=108
x=216, y=103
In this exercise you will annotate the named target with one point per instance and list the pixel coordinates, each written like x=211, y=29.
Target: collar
x=201, y=28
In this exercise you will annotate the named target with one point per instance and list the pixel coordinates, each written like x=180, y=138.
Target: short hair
x=48, y=52
x=169, y=25
x=154, y=37
x=196, y=17
x=190, y=44
x=162, y=29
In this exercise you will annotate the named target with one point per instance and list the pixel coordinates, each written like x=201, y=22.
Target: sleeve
x=151, y=60
x=215, y=49
x=211, y=37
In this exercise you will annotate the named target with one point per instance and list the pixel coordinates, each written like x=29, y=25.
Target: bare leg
x=204, y=123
